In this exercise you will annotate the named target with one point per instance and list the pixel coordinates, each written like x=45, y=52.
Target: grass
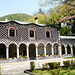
x=61, y=71
x=69, y=58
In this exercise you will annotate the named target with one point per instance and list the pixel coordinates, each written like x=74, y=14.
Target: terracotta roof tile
x=66, y=18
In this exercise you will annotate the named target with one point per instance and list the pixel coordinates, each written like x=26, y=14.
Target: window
x=47, y=34
x=31, y=33
x=12, y=32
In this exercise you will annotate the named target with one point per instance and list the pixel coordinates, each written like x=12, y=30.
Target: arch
x=31, y=33
x=22, y=49
x=68, y=49
x=47, y=33
x=2, y=50
x=63, y=49
x=12, y=43
x=11, y=31
x=42, y=43
x=41, y=49
x=48, y=49
x=32, y=51
x=12, y=50
x=55, y=46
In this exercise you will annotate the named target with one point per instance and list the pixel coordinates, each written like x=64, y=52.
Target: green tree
x=40, y=11
x=18, y=17
x=41, y=19
x=56, y=2
x=65, y=31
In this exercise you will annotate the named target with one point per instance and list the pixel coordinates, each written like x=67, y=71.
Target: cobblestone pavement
x=18, y=68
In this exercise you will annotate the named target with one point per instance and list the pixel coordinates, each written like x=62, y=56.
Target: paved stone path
x=18, y=68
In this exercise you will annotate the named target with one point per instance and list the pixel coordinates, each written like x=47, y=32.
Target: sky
x=18, y=6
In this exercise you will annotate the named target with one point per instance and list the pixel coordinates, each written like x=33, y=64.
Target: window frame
x=31, y=38
x=11, y=27
x=48, y=30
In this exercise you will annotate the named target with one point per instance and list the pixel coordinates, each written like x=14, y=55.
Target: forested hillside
x=18, y=17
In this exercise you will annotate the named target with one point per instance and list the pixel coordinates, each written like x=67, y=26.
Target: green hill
x=18, y=17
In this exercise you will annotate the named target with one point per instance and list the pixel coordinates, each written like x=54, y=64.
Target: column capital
x=36, y=46
x=17, y=46
x=44, y=46
x=71, y=46
x=7, y=47
x=27, y=46
x=65, y=46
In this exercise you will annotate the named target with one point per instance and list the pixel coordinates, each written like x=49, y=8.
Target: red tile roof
x=66, y=18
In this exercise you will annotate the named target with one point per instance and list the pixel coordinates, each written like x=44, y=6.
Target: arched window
x=47, y=33
x=11, y=31
x=31, y=34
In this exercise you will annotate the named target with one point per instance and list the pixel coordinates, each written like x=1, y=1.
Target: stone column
x=59, y=41
x=52, y=51
x=59, y=49
x=28, y=53
x=71, y=51
x=36, y=52
x=65, y=50
x=45, y=51
x=18, y=52
x=7, y=53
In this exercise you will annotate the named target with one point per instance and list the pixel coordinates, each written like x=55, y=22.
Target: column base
x=36, y=58
x=28, y=58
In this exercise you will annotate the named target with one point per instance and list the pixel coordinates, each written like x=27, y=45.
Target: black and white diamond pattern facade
x=22, y=37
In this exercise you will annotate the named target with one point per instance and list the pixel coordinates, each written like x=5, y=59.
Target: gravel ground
x=18, y=68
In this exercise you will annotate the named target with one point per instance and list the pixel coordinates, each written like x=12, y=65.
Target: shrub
x=58, y=65
x=32, y=65
x=53, y=65
x=55, y=72
x=45, y=66
x=66, y=63
x=50, y=65
x=72, y=63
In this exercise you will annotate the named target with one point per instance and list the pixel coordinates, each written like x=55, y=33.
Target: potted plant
x=26, y=56
x=49, y=54
x=38, y=55
x=4, y=58
x=19, y=56
x=1, y=58
x=43, y=55
x=12, y=57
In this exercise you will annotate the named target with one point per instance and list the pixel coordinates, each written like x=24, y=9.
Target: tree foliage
x=65, y=31
x=56, y=2
x=19, y=17
x=41, y=18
